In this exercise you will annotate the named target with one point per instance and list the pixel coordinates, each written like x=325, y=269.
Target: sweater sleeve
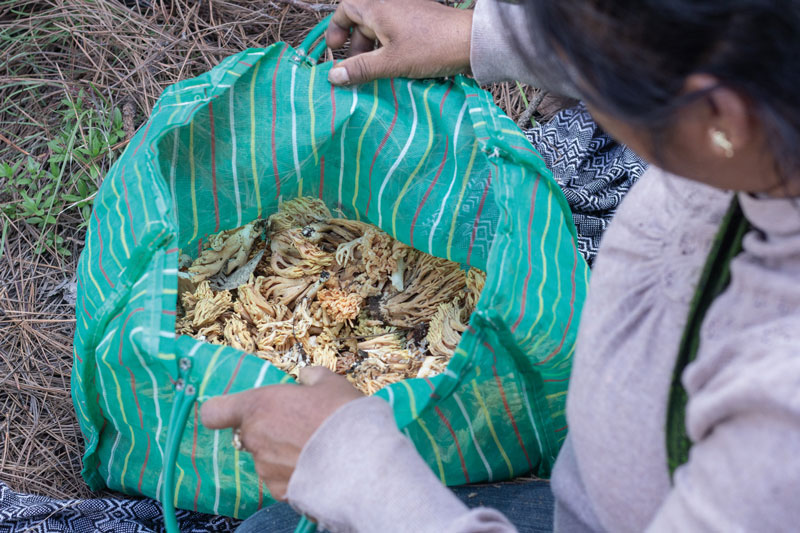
x=359, y=473
x=501, y=51
x=743, y=477
x=743, y=473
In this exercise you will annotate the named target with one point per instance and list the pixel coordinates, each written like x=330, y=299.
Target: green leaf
x=34, y=220
x=97, y=146
x=6, y=171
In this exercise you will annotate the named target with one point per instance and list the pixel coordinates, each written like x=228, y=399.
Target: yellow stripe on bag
x=313, y=116
x=253, y=136
x=110, y=233
x=491, y=427
x=89, y=268
x=192, y=186
x=121, y=219
x=360, y=142
x=127, y=458
x=435, y=450
x=411, y=401
x=141, y=191
x=238, y=479
x=121, y=409
x=210, y=369
x=460, y=198
x=407, y=184
x=178, y=483
x=539, y=292
x=556, y=300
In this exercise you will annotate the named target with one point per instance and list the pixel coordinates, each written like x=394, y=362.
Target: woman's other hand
x=275, y=422
x=418, y=39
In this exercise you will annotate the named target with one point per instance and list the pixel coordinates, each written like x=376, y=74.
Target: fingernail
x=338, y=76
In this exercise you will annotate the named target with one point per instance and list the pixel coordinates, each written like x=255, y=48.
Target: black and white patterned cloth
x=38, y=514
x=594, y=171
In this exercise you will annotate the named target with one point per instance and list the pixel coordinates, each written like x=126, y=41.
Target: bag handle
x=305, y=49
x=185, y=396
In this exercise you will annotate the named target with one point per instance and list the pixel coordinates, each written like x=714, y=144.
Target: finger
x=311, y=375
x=361, y=42
x=346, y=16
x=336, y=36
x=223, y=411
x=363, y=68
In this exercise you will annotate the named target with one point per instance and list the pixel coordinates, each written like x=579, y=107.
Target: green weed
x=65, y=179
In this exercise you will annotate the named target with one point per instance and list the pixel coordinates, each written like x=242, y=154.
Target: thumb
x=363, y=68
x=311, y=375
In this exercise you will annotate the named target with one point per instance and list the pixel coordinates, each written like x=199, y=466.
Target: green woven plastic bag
x=434, y=163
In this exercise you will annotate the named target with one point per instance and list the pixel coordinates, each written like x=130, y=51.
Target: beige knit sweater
x=743, y=414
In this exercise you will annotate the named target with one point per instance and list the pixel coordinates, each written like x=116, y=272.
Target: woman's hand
x=418, y=38
x=275, y=422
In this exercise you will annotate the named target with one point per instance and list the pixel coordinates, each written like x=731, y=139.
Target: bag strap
x=317, y=33
x=713, y=281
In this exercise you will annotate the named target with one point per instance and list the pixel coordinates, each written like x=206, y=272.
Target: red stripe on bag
x=531, y=150
x=571, y=309
x=235, y=373
x=455, y=439
x=453, y=433
x=213, y=164
x=383, y=143
x=130, y=372
x=144, y=465
x=321, y=175
x=530, y=259
x=83, y=301
x=274, y=117
x=478, y=217
x=428, y=192
x=128, y=205
x=441, y=106
x=333, y=106
x=144, y=136
x=505, y=404
x=100, y=257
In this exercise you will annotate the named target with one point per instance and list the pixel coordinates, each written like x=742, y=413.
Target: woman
x=702, y=89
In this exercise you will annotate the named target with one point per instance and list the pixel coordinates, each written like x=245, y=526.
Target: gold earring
x=720, y=139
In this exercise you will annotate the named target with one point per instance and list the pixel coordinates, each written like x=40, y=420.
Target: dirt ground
x=121, y=54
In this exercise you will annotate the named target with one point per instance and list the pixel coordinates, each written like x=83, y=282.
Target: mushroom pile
x=304, y=288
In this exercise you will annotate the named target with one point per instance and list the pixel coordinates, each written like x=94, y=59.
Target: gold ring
x=237, y=439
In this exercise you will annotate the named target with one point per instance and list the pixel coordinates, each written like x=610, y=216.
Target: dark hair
x=635, y=55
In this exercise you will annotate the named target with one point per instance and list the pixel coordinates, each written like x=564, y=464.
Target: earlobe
x=720, y=140
x=730, y=120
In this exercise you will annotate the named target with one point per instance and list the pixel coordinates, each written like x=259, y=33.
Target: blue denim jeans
x=528, y=505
